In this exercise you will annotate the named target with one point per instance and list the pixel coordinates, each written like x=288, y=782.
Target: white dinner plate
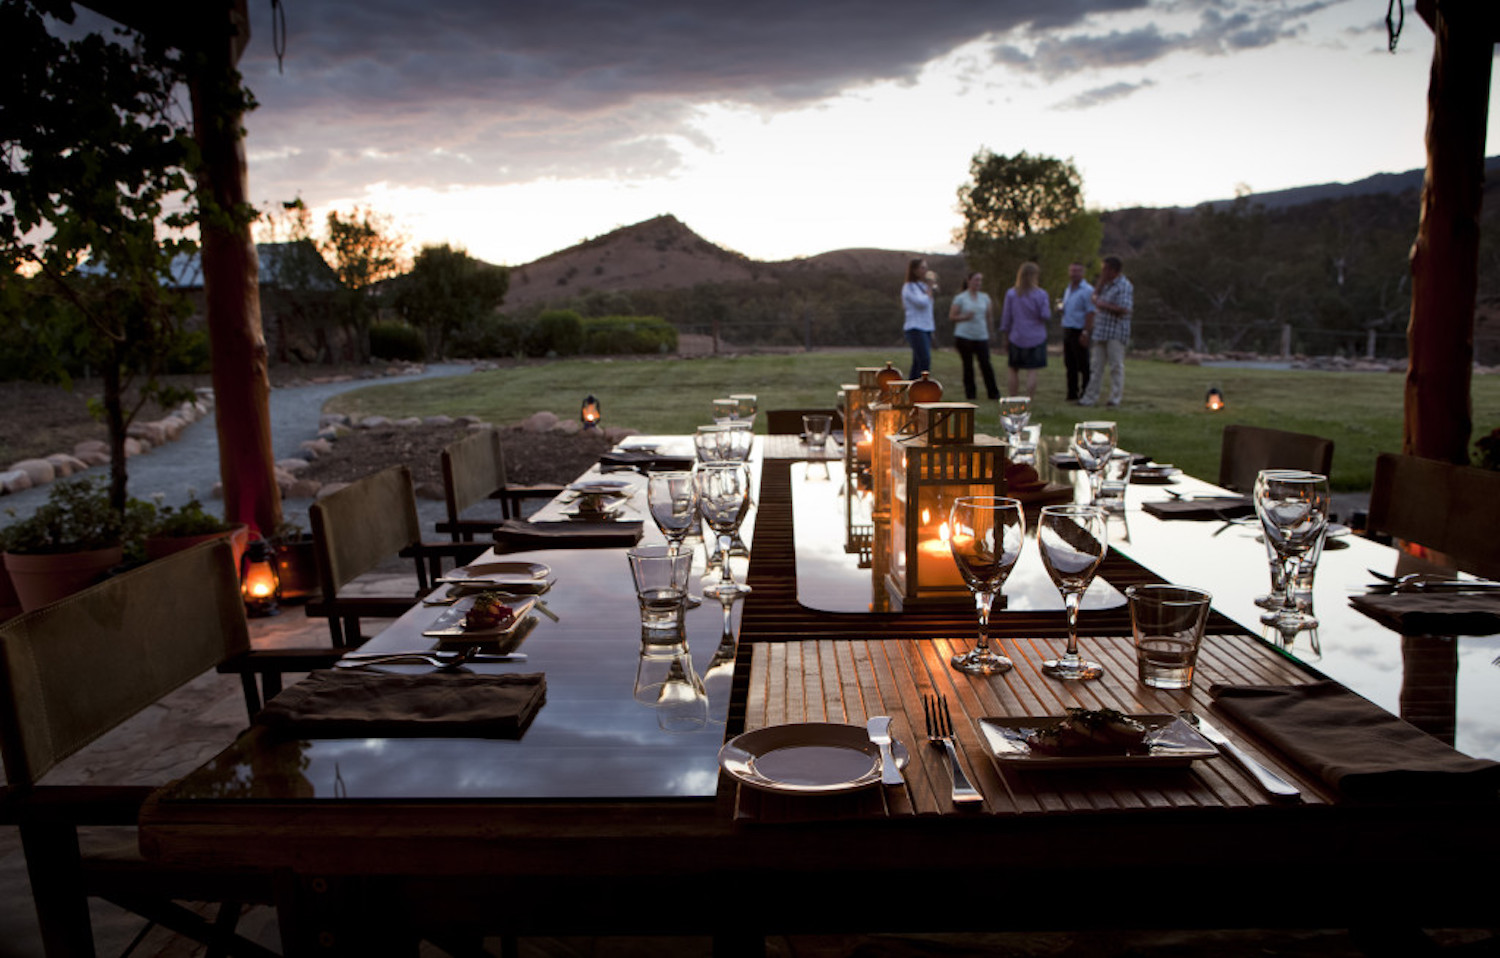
x=1170, y=742
x=601, y=487
x=809, y=758
x=449, y=625
x=506, y=576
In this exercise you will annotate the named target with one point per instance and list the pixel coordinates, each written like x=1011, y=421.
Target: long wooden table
x=556, y=833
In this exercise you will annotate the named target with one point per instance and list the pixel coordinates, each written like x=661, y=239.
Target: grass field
x=1162, y=415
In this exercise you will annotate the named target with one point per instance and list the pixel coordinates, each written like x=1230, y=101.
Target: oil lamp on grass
x=939, y=462
x=260, y=585
x=590, y=413
x=1213, y=401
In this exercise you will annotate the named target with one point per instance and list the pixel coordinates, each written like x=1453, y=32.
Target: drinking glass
x=735, y=441
x=986, y=535
x=723, y=499
x=1072, y=540
x=707, y=441
x=1015, y=413
x=673, y=501
x=726, y=410
x=1093, y=444
x=1276, y=598
x=1293, y=512
x=745, y=406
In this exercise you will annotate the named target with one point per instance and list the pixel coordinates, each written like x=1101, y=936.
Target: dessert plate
x=1170, y=742
x=809, y=758
x=449, y=625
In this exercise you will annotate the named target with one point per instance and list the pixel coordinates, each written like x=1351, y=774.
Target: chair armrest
x=363, y=606
x=541, y=490
x=280, y=660
x=461, y=552
x=73, y=804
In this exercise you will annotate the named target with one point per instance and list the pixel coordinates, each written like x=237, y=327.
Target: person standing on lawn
x=1077, y=314
x=916, y=298
x=973, y=313
x=1023, y=320
x=1109, y=332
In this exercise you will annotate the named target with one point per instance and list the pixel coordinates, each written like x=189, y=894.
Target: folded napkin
x=1229, y=507
x=523, y=534
x=1433, y=613
x=640, y=459
x=1358, y=748
x=353, y=704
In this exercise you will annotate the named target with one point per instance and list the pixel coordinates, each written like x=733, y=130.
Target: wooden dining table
x=605, y=818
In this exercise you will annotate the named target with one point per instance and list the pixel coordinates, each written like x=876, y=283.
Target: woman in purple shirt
x=1023, y=322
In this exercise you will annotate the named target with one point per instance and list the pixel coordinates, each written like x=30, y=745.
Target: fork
x=940, y=730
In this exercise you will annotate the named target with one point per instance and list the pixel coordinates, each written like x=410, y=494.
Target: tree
x=94, y=198
x=448, y=290
x=1024, y=207
x=364, y=248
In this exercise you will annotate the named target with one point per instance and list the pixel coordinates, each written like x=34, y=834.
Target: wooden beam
x=1445, y=256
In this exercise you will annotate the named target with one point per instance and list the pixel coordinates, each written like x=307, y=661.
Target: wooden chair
x=71, y=672
x=788, y=422
x=473, y=470
x=1246, y=450
x=1452, y=509
x=357, y=528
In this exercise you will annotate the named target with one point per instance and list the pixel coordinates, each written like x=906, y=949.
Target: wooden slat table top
x=849, y=680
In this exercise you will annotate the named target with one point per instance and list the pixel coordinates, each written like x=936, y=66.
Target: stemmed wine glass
x=726, y=410
x=1015, y=413
x=1093, y=444
x=1277, y=596
x=1293, y=512
x=673, y=500
x=723, y=500
x=745, y=406
x=986, y=535
x=1072, y=540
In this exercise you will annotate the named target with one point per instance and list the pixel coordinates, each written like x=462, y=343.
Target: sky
x=786, y=128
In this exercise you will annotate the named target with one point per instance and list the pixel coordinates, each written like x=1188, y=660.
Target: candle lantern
x=930, y=469
x=1214, y=400
x=260, y=585
x=591, y=412
x=888, y=418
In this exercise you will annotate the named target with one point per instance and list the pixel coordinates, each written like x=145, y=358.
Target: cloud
x=1101, y=95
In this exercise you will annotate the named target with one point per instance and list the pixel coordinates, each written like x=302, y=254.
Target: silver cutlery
x=940, y=731
x=879, y=729
x=1428, y=582
x=449, y=661
x=1274, y=784
x=1195, y=497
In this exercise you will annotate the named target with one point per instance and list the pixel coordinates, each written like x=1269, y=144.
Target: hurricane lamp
x=1213, y=401
x=591, y=412
x=260, y=585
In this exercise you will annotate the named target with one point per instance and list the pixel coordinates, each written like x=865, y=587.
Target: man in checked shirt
x=1107, y=332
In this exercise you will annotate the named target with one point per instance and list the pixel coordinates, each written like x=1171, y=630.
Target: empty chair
x=1452, y=509
x=1246, y=450
x=474, y=470
x=788, y=422
x=357, y=528
x=71, y=672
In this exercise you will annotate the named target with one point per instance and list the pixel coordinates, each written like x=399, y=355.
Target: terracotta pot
x=238, y=535
x=297, y=567
x=43, y=579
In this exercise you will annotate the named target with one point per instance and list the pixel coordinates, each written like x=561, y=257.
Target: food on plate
x=1020, y=477
x=488, y=612
x=1090, y=732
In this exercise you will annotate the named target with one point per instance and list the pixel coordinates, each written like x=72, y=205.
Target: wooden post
x=231, y=280
x=1444, y=258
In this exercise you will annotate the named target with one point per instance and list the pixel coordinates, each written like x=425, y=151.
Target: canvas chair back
x=473, y=468
x=73, y=670
x=1453, y=509
x=788, y=422
x=363, y=524
x=1246, y=450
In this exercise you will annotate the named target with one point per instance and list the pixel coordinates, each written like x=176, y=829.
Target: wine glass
x=1072, y=540
x=735, y=441
x=723, y=500
x=726, y=410
x=1276, y=598
x=1093, y=444
x=1293, y=512
x=1015, y=413
x=673, y=500
x=745, y=406
x=707, y=442
x=985, y=535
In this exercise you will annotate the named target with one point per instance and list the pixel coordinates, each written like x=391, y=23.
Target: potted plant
x=69, y=542
x=175, y=529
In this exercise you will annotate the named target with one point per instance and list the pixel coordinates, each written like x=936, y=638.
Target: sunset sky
x=782, y=128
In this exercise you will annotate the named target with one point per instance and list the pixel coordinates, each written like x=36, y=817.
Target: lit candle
x=935, y=565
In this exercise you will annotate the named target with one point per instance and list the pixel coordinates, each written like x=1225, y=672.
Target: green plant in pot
x=70, y=542
x=176, y=528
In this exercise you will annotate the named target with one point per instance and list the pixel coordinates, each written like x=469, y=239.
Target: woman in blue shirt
x=916, y=298
x=974, y=312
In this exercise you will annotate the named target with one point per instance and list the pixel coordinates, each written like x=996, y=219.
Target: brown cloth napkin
x=1229, y=507
x=1433, y=613
x=1358, y=748
x=649, y=461
x=353, y=704
x=521, y=534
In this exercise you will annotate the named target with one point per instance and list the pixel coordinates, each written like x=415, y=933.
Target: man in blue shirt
x=1108, y=333
x=1077, y=313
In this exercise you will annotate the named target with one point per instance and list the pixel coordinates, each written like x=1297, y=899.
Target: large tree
x=364, y=248
x=95, y=196
x=447, y=290
x=1024, y=207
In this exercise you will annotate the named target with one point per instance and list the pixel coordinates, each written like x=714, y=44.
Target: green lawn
x=1162, y=415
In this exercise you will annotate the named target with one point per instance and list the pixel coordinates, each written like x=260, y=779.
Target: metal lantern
x=591, y=412
x=1214, y=400
x=260, y=585
x=888, y=418
x=942, y=460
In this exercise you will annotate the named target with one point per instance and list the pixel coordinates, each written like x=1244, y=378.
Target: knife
x=434, y=655
x=879, y=728
x=1274, y=784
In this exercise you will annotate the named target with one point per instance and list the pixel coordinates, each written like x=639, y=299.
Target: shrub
x=397, y=340
x=556, y=332
x=487, y=337
x=616, y=335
